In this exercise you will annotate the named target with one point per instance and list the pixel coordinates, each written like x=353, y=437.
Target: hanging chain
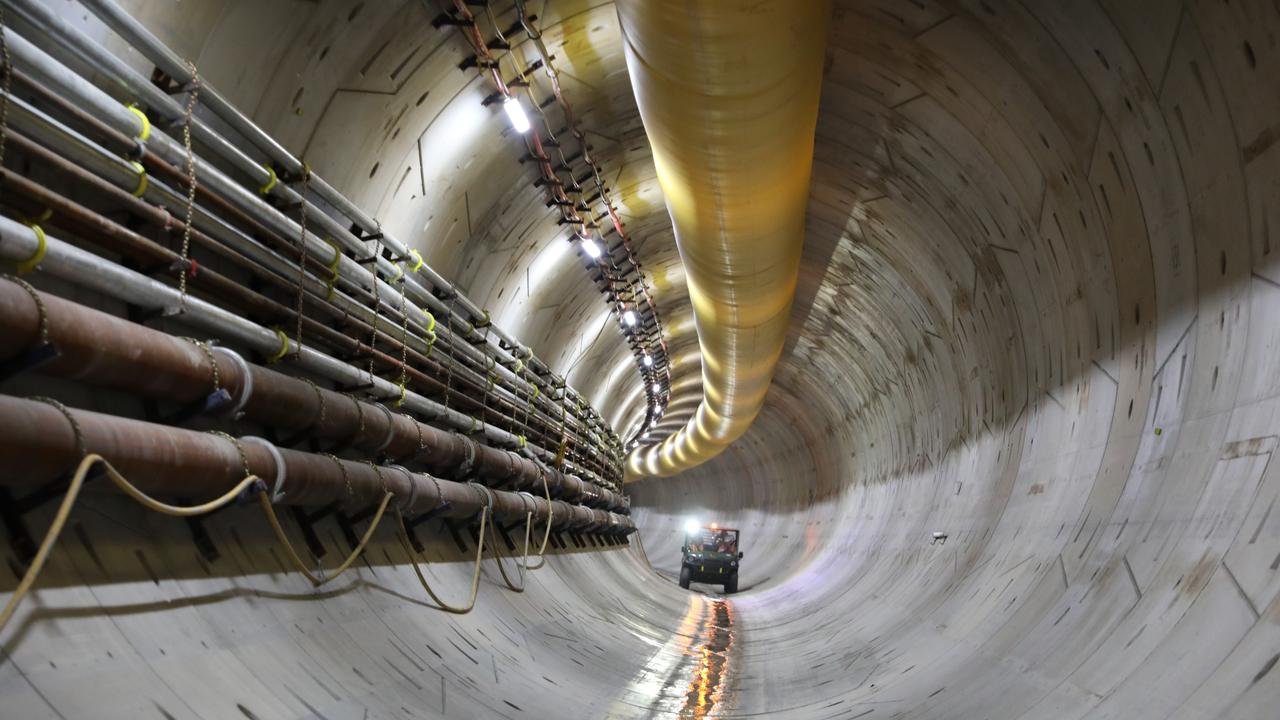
x=35, y=297
x=244, y=457
x=404, y=340
x=184, y=269
x=377, y=306
x=351, y=491
x=448, y=376
x=8, y=86
x=207, y=349
x=529, y=401
x=71, y=419
x=302, y=247
x=489, y=376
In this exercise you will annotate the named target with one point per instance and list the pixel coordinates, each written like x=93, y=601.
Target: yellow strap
x=519, y=366
x=333, y=269
x=284, y=347
x=536, y=392
x=431, y=322
x=400, y=401
x=417, y=260
x=271, y=181
x=521, y=440
x=399, y=273
x=142, y=179
x=146, y=122
x=42, y=245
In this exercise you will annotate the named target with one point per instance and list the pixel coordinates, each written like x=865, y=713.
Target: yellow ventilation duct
x=728, y=91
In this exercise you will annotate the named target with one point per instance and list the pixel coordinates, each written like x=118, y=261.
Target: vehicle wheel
x=731, y=585
x=686, y=575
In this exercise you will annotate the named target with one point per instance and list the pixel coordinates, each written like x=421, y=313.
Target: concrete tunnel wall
x=1038, y=313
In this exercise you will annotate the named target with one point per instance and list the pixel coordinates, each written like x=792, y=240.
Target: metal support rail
x=622, y=281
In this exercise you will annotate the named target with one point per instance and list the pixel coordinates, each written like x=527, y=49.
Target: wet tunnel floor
x=707, y=684
x=698, y=671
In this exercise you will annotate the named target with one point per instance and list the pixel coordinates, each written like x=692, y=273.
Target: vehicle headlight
x=733, y=563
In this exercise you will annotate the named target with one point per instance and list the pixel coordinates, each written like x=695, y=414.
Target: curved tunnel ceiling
x=1037, y=314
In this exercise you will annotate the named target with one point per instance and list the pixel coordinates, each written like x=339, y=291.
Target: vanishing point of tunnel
x=804, y=359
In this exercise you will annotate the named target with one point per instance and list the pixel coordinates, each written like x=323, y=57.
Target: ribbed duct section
x=729, y=96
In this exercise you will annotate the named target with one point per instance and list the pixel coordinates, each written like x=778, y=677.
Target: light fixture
x=657, y=388
x=515, y=112
x=590, y=247
x=629, y=317
x=646, y=360
x=692, y=526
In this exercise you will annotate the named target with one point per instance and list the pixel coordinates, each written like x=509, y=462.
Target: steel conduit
x=501, y=344
x=41, y=446
x=48, y=130
x=47, y=70
x=728, y=93
x=283, y=402
x=107, y=351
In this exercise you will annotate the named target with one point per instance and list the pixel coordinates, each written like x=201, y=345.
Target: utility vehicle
x=710, y=556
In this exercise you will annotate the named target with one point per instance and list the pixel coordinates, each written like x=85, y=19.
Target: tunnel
x=330, y=328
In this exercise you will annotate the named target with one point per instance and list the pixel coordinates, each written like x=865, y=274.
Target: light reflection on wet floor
x=691, y=675
x=711, y=652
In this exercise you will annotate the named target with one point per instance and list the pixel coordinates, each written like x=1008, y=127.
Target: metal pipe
x=151, y=47
x=129, y=243
x=88, y=153
x=61, y=259
x=729, y=97
x=41, y=444
x=107, y=351
x=44, y=19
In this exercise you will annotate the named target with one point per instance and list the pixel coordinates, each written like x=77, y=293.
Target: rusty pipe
x=128, y=242
x=108, y=351
x=122, y=240
x=41, y=444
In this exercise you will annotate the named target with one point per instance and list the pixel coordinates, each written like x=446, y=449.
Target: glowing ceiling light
x=590, y=247
x=657, y=387
x=646, y=360
x=691, y=525
x=515, y=111
x=629, y=317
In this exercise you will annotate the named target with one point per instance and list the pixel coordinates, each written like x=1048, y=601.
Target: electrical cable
x=318, y=580
x=475, y=574
x=73, y=492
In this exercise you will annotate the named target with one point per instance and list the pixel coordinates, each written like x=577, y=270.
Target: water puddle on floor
x=710, y=653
